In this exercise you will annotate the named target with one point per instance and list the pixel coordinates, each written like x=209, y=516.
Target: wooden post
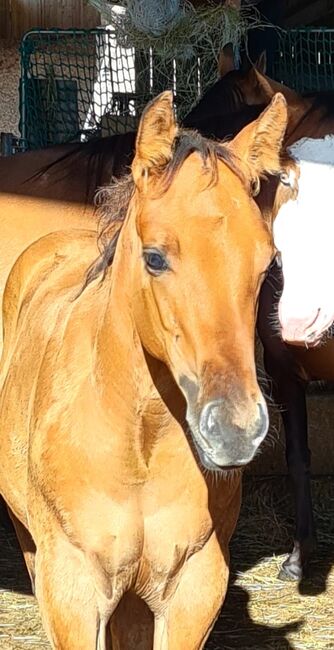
x=4, y=18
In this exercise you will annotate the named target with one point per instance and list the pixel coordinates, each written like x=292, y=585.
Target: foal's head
x=197, y=250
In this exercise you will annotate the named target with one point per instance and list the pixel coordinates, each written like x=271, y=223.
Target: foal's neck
x=136, y=392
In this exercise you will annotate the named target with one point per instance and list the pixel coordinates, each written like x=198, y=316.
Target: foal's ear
x=259, y=144
x=156, y=133
x=226, y=61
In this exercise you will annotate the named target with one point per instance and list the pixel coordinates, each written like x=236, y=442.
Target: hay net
x=152, y=17
x=78, y=84
x=305, y=59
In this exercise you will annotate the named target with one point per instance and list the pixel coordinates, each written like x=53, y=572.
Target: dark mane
x=222, y=111
x=222, y=99
x=114, y=200
x=228, y=126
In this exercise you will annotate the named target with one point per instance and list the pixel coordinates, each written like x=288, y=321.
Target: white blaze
x=304, y=235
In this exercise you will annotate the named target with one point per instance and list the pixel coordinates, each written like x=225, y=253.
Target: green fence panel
x=305, y=59
x=77, y=84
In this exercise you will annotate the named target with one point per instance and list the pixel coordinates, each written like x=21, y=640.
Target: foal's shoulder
x=65, y=251
x=46, y=270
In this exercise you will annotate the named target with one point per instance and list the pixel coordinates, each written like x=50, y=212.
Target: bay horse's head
x=239, y=96
x=196, y=248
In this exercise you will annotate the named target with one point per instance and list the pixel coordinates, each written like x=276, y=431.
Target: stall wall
x=17, y=16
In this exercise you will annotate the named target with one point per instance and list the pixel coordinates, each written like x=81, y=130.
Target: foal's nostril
x=225, y=442
x=215, y=431
x=209, y=422
x=263, y=421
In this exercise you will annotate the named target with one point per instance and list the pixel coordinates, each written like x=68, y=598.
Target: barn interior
x=261, y=611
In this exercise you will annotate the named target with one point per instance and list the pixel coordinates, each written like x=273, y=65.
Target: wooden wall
x=17, y=16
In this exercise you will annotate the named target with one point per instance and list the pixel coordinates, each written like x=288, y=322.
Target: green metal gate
x=70, y=79
x=305, y=60
x=77, y=84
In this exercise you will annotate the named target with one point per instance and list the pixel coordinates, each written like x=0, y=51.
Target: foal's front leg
x=185, y=623
x=68, y=598
x=27, y=545
x=188, y=618
x=289, y=394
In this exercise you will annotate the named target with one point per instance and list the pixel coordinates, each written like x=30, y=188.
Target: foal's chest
x=141, y=536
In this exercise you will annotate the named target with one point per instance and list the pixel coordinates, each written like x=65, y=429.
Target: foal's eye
x=155, y=261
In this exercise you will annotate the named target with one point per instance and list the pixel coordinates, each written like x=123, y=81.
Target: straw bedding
x=260, y=613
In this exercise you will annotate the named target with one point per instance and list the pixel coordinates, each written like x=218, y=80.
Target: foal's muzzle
x=221, y=442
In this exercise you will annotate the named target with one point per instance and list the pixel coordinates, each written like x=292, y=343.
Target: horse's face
x=303, y=233
x=204, y=254
x=248, y=85
x=202, y=250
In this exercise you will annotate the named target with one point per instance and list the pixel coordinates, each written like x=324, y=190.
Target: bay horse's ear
x=261, y=62
x=154, y=143
x=226, y=61
x=259, y=144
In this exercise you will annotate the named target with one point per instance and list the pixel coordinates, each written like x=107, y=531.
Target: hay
x=194, y=29
x=193, y=34
x=152, y=16
x=260, y=613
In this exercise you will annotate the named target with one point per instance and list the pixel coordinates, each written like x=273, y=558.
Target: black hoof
x=290, y=571
x=296, y=564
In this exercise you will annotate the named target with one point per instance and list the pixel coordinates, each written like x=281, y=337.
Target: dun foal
x=128, y=399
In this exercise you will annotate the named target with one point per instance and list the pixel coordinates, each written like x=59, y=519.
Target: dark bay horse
x=138, y=402
x=239, y=91
x=67, y=172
